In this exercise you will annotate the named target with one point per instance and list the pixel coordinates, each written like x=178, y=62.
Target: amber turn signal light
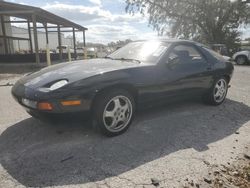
x=44, y=106
x=71, y=103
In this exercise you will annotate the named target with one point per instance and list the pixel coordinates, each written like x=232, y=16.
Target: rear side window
x=214, y=54
x=186, y=54
x=193, y=53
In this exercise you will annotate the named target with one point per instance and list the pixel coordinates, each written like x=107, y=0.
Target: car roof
x=174, y=41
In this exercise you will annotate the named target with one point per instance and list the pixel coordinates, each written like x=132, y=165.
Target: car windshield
x=149, y=51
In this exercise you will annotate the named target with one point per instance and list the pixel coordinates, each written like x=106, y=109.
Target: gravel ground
x=178, y=145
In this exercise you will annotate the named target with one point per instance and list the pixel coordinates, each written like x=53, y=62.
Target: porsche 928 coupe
x=111, y=88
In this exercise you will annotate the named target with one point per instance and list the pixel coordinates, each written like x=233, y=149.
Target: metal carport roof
x=42, y=16
x=36, y=15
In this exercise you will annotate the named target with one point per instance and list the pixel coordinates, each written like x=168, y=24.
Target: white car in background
x=242, y=57
x=91, y=52
x=65, y=49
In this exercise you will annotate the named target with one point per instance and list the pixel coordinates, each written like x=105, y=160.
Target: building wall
x=24, y=45
x=1, y=41
x=8, y=33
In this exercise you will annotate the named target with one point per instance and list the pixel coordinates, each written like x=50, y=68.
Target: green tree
x=207, y=21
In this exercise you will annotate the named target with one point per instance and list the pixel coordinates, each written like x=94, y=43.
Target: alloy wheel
x=117, y=113
x=241, y=60
x=220, y=90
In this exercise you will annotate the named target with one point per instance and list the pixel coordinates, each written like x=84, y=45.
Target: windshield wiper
x=108, y=57
x=127, y=59
x=122, y=59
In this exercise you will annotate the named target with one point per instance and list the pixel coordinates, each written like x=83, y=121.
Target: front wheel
x=113, y=112
x=218, y=92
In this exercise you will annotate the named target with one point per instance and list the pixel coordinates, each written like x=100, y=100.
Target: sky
x=106, y=20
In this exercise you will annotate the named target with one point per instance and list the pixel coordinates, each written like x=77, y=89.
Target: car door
x=185, y=71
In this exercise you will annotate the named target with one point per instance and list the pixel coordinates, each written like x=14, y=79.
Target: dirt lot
x=179, y=145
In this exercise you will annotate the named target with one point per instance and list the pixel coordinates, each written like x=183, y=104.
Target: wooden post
x=84, y=40
x=18, y=42
x=69, y=53
x=4, y=35
x=59, y=42
x=46, y=33
x=30, y=37
x=47, y=45
x=35, y=38
x=48, y=55
x=74, y=41
x=85, y=53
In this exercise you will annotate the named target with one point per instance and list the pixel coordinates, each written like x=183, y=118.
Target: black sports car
x=111, y=88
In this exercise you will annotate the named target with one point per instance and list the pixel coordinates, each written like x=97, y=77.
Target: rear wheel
x=241, y=60
x=218, y=92
x=113, y=112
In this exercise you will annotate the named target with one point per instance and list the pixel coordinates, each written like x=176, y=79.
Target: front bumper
x=30, y=98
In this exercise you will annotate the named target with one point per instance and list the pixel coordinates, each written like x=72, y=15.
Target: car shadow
x=38, y=154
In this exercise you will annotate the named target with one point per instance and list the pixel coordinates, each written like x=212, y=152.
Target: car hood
x=73, y=71
x=227, y=58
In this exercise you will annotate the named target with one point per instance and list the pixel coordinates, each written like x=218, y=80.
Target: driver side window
x=185, y=54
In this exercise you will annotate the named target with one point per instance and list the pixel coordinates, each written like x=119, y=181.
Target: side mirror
x=170, y=61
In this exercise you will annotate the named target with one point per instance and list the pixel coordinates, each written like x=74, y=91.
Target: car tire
x=113, y=112
x=217, y=93
x=241, y=60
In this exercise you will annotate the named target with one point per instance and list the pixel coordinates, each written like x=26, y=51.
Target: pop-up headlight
x=58, y=85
